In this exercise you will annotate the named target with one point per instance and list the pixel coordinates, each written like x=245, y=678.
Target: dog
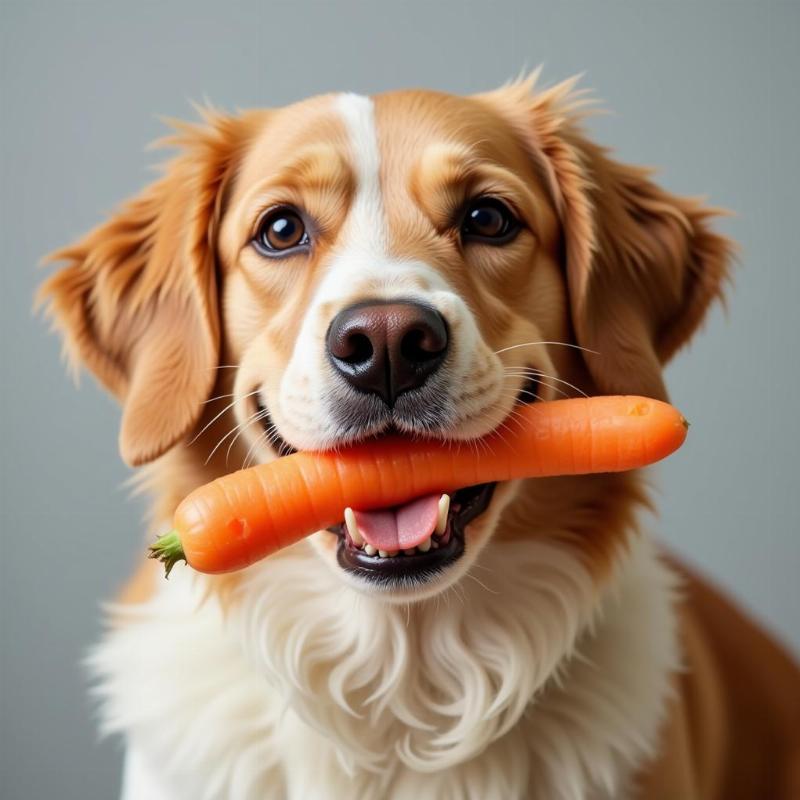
x=417, y=263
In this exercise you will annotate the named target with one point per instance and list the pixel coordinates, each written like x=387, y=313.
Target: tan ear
x=642, y=264
x=137, y=301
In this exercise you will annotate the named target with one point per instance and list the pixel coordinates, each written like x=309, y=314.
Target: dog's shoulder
x=734, y=726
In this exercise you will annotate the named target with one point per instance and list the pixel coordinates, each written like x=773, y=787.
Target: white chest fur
x=522, y=682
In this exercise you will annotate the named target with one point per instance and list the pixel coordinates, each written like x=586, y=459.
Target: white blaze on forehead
x=366, y=228
x=361, y=258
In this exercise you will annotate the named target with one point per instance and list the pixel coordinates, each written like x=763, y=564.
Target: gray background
x=705, y=91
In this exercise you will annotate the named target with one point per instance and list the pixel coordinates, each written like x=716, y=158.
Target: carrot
x=244, y=516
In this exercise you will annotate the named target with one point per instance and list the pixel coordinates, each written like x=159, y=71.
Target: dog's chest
x=286, y=698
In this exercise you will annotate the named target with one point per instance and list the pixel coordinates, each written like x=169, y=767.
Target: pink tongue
x=400, y=528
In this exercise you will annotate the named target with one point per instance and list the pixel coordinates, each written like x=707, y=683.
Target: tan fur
x=138, y=301
x=517, y=291
x=299, y=157
x=734, y=729
x=141, y=586
x=642, y=263
x=167, y=290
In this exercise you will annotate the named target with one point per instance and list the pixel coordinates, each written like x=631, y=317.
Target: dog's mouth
x=409, y=544
x=431, y=528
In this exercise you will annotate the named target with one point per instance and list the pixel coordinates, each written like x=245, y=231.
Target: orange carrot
x=244, y=516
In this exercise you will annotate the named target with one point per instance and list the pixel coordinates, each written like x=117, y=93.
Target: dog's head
x=415, y=262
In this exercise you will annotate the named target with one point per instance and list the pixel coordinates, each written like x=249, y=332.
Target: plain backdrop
x=706, y=92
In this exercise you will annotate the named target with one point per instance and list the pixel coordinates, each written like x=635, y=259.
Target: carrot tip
x=168, y=550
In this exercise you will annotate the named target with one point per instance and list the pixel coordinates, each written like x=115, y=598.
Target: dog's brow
x=454, y=161
x=315, y=169
x=316, y=165
x=448, y=173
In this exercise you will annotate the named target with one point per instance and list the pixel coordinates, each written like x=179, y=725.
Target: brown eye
x=489, y=220
x=279, y=231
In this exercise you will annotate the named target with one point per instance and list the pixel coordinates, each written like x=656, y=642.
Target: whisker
x=218, y=397
x=254, y=417
x=514, y=414
x=491, y=571
x=230, y=405
x=541, y=381
x=475, y=445
x=239, y=429
x=532, y=372
x=481, y=583
x=272, y=440
x=561, y=380
x=217, y=445
x=270, y=435
x=508, y=396
x=486, y=445
x=504, y=428
x=262, y=437
x=558, y=344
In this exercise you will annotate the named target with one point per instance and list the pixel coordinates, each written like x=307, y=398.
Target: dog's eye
x=489, y=220
x=279, y=231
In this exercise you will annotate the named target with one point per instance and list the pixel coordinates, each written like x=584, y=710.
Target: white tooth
x=435, y=545
x=382, y=553
x=392, y=553
x=444, y=507
x=352, y=527
x=369, y=550
x=423, y=547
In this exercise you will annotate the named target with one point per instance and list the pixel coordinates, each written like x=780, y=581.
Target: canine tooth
x=382, y=553
x=369, y=550
x=423, y=547
x=352, y=527
x=444, y=508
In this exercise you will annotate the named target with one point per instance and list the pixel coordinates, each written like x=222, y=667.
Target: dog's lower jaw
x=205, y=700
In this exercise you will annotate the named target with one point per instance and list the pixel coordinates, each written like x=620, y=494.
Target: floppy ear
x=137, y=300
x=642, y=264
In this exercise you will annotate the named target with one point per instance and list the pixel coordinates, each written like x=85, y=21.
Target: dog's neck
x=532, y=673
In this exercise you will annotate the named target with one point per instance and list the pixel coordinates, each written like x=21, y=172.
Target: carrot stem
x=168, y=550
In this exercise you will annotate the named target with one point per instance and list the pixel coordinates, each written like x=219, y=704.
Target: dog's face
x=381, y=260
x=415, y=263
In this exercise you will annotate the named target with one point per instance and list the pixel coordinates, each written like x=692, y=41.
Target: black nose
x=387, y=348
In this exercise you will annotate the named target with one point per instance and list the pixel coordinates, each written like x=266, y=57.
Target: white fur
x=367, y=219
x=520, y=682
x=141, y=779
